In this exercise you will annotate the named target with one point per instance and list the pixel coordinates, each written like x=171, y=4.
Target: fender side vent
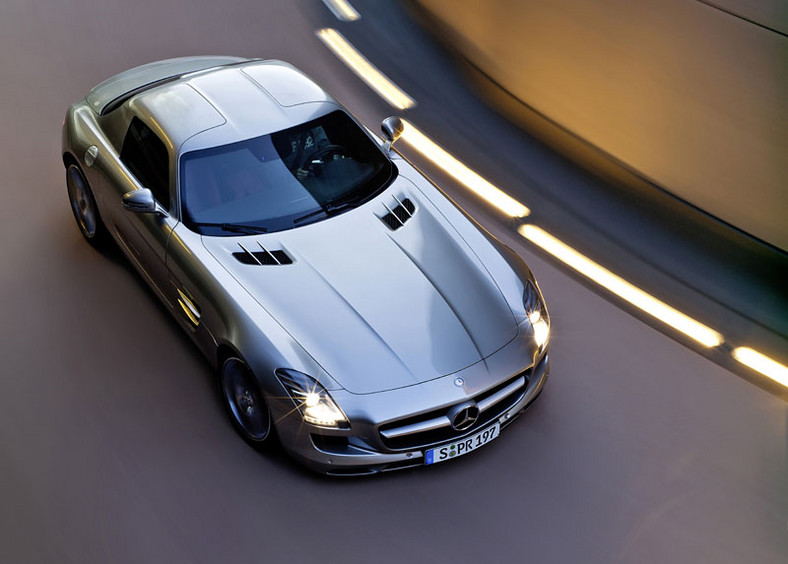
x=263, y=257
x=398, y=215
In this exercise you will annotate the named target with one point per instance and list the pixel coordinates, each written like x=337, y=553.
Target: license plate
x=464, y=446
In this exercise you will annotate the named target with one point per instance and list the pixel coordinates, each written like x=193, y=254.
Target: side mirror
x=392, y=128
x=141, y=201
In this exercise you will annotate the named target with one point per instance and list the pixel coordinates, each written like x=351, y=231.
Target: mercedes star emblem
x=464, y=416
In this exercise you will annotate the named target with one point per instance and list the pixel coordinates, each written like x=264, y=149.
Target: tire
x=83, y=205
x=245, y=403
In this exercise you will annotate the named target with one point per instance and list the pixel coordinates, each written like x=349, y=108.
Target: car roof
x=103, y=97
x=229, y=103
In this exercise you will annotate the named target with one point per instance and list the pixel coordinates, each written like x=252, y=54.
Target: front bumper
x=359, y=451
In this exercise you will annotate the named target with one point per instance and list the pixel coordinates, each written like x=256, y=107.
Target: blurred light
x=535, y=316
x=762, y=363
x=342, y=10
x=462, y=173
x=364, y=69
x=632, y=294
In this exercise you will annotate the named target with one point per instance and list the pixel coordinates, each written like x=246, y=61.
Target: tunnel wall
x=692, y=96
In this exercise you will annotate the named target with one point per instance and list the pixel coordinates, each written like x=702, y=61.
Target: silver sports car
x=349, y=307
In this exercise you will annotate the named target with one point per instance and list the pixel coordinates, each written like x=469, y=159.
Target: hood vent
x=263, y=257
x=401, y=213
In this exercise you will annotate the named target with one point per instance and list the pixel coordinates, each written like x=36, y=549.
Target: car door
x=146, y=164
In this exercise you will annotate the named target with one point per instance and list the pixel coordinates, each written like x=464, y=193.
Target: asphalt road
x=114, y=448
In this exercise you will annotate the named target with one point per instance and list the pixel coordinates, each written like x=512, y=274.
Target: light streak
x=762, y=363
x=623, y=289
x=365, y=70
x=342, y=10
x=462, y=173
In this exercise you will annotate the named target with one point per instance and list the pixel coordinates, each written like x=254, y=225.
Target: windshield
x=282, y=180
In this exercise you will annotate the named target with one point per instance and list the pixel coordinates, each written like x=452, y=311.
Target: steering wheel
x=320, y=154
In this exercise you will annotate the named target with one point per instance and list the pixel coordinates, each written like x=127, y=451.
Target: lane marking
x=457, y=170
x=762, y=363
x=625, y=290
x=342, y=10
x=365, y=70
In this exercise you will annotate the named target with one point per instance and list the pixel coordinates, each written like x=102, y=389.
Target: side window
x=146, y=157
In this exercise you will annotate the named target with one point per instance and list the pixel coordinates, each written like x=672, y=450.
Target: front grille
x=434, y=427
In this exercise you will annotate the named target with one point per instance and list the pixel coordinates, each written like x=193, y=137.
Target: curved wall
x=692, y=95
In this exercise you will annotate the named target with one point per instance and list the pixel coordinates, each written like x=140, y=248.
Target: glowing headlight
x=312, y=400
x=541, y=332
x=537, y=315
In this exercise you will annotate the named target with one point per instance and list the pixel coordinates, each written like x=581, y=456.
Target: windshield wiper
x=234, y=227
x=328, y=207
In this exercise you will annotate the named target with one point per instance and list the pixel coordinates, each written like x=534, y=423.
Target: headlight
x=537, y=313
x=312, y=400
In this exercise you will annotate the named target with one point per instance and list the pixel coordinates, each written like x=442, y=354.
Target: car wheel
x=244, y=401
x=84, y=205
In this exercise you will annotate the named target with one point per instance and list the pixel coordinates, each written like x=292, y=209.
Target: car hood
x=377, y=308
